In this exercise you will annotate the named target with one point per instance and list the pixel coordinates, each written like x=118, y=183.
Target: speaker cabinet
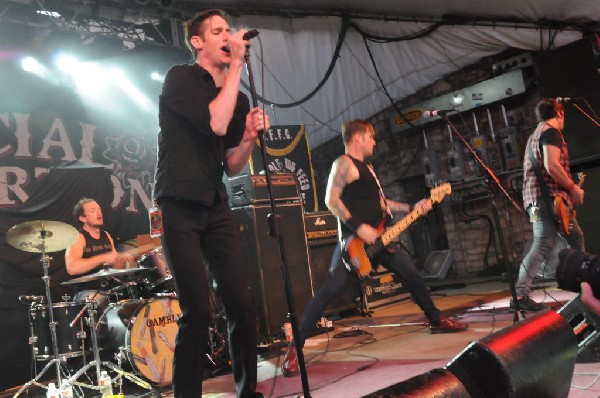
x=264, y=265
x=320, y=252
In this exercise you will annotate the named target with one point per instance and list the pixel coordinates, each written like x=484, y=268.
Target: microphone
x=34, y=299
x=251, y=34
x=566, y=100
x=438, y=112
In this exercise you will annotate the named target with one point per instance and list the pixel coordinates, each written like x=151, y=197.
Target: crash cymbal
x=41, y=236
x=104, y=273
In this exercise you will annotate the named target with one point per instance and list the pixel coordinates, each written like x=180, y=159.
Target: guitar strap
x=543, y=187
x=381, y=194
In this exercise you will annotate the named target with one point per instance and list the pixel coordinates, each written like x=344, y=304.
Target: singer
x=207, y=128
x=552, y=159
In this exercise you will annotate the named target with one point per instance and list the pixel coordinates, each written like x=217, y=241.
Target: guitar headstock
x=438, y=193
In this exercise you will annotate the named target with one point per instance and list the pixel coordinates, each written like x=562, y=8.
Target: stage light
x=130, y=89
x=458, y=99
x=30, y=64
x=66, y=63
x=157, y=76
x=90, y=79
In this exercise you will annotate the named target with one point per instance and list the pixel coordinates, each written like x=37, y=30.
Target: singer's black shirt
x=190, y=155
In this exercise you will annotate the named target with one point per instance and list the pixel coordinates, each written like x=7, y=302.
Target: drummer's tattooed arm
x=77, y=265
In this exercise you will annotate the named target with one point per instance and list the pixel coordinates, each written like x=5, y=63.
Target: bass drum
x=145, y=330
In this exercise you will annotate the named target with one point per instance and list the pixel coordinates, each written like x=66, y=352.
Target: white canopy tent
x=297, y=51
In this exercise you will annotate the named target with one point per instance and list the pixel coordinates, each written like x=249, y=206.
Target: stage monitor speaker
x=264, y=265
x=320, y=253
x=437, y=264
x=533, y=358
x=435, y=383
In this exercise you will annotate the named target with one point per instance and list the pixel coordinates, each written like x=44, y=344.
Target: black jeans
x=198, y=239
x=397, y=261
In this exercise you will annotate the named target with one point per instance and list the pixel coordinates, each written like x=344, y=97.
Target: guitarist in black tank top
x=355, y=197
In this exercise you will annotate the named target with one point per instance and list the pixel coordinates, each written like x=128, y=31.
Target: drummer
x=93, y=250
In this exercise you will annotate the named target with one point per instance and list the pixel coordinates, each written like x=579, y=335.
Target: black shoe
x=527, y=304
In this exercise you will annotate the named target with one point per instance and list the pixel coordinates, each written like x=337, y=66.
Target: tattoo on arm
x=338, y=179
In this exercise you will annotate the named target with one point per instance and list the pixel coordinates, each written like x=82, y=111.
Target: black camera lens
x=575, y=267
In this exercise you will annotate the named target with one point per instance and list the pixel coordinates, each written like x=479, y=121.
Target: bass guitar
x=357, y=255
x=563, y=212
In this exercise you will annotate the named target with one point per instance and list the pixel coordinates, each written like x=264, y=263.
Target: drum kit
x=140, y=326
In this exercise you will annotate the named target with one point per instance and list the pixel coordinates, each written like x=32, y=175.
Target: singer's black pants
x=198, y=239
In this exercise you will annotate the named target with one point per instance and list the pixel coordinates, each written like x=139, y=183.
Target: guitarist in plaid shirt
x=355, y=197
x=551, y=152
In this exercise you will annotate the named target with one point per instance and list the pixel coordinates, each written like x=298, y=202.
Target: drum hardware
x=91, y=308
x=43, y=237
x=96, y=362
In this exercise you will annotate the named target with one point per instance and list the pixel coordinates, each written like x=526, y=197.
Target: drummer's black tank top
x=92, y=248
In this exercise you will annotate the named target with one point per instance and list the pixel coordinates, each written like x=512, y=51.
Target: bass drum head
x=151, y=339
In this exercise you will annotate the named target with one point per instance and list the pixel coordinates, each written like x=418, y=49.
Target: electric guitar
x=358, y=256
x=563, y=212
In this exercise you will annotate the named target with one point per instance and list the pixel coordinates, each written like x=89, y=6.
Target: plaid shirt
x=531, y=188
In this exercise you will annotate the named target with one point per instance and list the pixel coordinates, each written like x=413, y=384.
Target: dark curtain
x=21, y=272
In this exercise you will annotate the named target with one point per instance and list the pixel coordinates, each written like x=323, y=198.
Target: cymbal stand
x=97, y=362
x=45, y=259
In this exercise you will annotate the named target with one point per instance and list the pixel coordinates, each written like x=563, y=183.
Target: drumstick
x=153, y=341
x=144, y=321
x=138, y=251
x=148, y=360
x=166, y=341
x=163, y=368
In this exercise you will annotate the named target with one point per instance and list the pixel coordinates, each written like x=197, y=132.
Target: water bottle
x=66, y=390
x=105, y=384
x=52, y=391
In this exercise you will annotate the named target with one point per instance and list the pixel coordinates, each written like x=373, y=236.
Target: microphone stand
x=497, y=182
x=274, y=231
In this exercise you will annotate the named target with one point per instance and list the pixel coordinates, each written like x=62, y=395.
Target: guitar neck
x=395, y=230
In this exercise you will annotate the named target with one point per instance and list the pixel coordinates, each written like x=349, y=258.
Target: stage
x=363, y=354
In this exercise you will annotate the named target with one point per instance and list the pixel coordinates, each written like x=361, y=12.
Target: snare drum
x=160, y=279
x=71, y=341
x=145, y=330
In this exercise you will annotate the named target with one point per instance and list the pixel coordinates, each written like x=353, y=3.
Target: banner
x=44, y=126
x=288, y=152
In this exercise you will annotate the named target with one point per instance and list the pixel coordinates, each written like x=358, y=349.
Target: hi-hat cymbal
x=41, y=236
x=104, y=273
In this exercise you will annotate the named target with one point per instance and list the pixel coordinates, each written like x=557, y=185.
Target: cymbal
x=104, y=273
x=41, y=236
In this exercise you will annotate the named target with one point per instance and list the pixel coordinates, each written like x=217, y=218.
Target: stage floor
x=365, y=354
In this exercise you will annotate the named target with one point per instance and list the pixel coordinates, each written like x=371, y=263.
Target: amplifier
x=385, y=288
x=320, y=225
x=252, y=189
